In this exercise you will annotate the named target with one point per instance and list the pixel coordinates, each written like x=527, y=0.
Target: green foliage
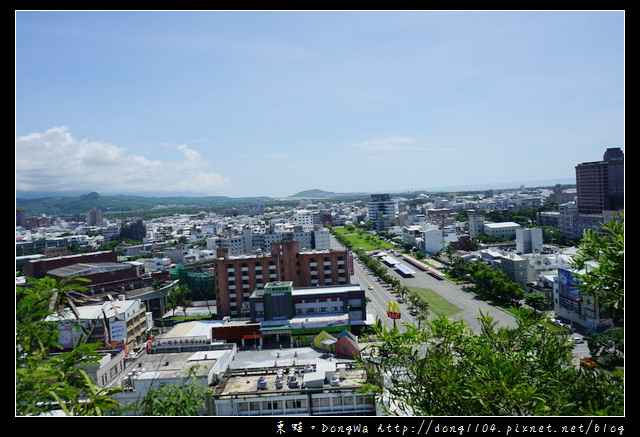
x=178, y=297
x=186, y=399
x=536, y=300
x=48, y=381
x=493, y=283
x=605, y=281
x=608, y=344
x=441, y=368
x=355, y=238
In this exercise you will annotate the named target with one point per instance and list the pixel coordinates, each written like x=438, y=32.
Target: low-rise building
x=301, y=313
x=292, y=382
x=120, y=324
x=151, y=371
x=573, y=304
x=502, y=230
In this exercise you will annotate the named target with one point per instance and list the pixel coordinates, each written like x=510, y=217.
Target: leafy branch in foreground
x=442, y=368
x=603, y=280
x=47, y=378
x=186, y=399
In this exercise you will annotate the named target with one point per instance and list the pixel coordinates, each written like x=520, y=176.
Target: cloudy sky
x=269, y=103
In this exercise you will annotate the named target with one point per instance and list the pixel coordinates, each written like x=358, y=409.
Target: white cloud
x=388, y=144
x=396, y=144
x=56, y=161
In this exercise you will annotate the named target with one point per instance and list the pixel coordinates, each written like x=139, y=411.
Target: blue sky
x=269, y=103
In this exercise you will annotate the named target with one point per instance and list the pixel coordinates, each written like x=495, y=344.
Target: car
x=400, y=300
x=370, y=287
x=577, y=340
x=588, y=362
x=413, y=312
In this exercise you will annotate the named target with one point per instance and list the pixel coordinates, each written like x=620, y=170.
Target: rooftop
x=178, y=365
x=502, y=225
x=83, y=269
x=278, y=371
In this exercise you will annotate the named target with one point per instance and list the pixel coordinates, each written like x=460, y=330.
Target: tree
x=178, y=297
x=47, y=378
x=441, y=368
x=185, y=399
x=608, y=344
x=536, y=300
x=493, y=282
x=604, y=280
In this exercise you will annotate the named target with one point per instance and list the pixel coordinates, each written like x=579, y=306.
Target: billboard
x=393, y=310
x=568, y=284
x=351, y=268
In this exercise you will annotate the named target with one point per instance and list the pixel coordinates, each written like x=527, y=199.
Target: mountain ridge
x=74, y=203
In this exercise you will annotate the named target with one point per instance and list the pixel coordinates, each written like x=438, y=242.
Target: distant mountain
x=73, y=205
x=315, y=194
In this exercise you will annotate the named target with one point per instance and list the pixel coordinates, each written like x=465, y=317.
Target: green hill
x=313, y=194
x=74, y=205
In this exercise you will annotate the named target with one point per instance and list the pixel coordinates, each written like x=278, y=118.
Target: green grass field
x=360, y=239
x=438, y=306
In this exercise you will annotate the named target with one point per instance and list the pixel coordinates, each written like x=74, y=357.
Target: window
x=296, y=404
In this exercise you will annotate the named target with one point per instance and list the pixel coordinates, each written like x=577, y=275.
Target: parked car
x=577, y=340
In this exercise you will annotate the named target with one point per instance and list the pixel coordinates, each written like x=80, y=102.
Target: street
x=380, y=296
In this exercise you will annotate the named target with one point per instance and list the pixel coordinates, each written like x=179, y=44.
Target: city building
x=476, y=225
x=515, y=267
x=382, y=211
x=21, y=216
x=573, y=304
x=562, y=195
x=155, y=370
x=505, y=230
x=259, y=239
x=529, y=240
x=600, y=184
x=599, y=195
x=254, y=382
x=236, y=277
x=295, y=315
x=39, y=268
x=120, y=324
x=292, y=382
x=95, y=217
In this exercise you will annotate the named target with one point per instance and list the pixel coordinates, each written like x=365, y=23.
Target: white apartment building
x=529, y=240
x=306, y=219
x=260, y=239
x=502, y=230
x=433, y=239
x=321, y=238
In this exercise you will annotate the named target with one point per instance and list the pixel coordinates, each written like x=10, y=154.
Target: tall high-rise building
x=94, y=217
x=21, y=216
x=600, y=184
x=382, y=211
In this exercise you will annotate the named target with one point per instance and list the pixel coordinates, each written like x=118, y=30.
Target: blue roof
x=404, y=269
